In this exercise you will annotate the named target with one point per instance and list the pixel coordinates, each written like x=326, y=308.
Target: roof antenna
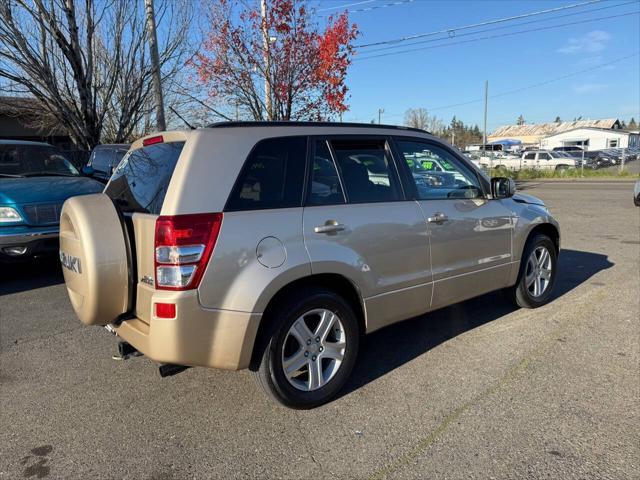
x=191, y=127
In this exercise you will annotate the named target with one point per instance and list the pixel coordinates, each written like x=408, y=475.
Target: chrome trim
x=7, y=238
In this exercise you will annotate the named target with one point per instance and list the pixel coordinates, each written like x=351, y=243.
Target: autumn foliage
x=303, y=67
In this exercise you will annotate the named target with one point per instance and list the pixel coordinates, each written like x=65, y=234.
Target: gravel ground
x=477, y=390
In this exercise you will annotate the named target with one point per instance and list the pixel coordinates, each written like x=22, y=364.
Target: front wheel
x=311, y=349
x=538, y=270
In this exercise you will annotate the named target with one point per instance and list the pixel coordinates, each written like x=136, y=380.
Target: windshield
x=33, y=161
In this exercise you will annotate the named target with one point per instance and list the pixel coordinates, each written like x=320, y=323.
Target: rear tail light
x=183, y=246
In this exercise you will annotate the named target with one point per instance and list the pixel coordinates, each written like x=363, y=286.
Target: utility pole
x=453, y=138
x=380, y=112
x=484, y=133
x=155, y=65
x=267, y=60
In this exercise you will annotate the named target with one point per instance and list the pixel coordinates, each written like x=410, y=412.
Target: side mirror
x=502, y=187
x=88, y=170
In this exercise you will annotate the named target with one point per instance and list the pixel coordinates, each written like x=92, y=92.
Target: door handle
x=330, y=226
x=438, y=218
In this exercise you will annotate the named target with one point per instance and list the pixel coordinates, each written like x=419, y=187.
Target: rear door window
x=272, y=176
x=140, y=182
x=325, y=188
x=366, y=170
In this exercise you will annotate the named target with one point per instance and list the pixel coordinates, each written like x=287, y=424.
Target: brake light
x=152, y=140
x=183, y=247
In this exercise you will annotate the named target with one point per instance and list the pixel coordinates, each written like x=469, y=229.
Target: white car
x=546, y=160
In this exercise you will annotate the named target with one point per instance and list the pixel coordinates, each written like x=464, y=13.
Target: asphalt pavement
x=477, y=390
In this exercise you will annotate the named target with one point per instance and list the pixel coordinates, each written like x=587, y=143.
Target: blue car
x=35, y=180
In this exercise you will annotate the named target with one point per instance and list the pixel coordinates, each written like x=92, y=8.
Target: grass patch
x=571, y=173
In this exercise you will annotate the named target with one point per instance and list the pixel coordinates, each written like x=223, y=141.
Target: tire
x=562, y=167
x=301, y=389
x=94, y=258
x=521, y=293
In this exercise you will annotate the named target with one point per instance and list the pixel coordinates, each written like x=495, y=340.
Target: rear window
x=140, y=182
x=272, y=176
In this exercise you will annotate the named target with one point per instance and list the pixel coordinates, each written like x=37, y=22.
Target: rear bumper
x=196, y=337
x=35, y=239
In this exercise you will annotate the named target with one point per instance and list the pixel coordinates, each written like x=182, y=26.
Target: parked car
x=276, y=246
x=567, y=148
x=35, y=179
x=104, y=159
x=592, y=160
x=546, y=160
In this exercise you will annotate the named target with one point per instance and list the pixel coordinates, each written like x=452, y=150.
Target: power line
x=481, y=24
x=528, y=87
x=367, y=9
x=490, y=37
x=339, y=7
x=431, y=40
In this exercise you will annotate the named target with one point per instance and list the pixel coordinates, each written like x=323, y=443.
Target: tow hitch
x=126, y=351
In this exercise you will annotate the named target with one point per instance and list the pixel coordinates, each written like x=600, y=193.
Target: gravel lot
x=477, y=390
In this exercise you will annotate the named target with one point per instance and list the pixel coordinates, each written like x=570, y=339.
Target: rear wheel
x=310, y=350
x=538, y=269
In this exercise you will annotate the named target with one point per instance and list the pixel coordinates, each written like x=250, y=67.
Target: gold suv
x=277, y=246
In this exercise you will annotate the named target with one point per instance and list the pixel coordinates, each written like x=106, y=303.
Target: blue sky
x=455, y=73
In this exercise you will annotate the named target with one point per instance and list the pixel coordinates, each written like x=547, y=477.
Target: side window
x=366, y=171
x=325, y=188
x=101, y=159
x=272, y=176
x=544, y=156
x=530, y=156
x=454, y=180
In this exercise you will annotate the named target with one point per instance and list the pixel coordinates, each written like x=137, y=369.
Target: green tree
x=557, y=120
x=632, y=124
x=521, y=120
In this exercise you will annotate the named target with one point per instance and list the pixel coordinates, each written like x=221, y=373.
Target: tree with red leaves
x=278, y=65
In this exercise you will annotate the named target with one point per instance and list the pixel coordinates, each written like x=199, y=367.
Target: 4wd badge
x=70, y=262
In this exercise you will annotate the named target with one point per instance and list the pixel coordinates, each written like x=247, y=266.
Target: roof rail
x=309, y=124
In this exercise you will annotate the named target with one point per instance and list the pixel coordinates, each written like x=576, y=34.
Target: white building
x=590, y=139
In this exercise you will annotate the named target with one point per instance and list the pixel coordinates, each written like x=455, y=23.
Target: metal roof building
x=532, y=134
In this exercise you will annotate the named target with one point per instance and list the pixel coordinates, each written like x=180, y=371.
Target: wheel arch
x=331, y=281
x=547, y=229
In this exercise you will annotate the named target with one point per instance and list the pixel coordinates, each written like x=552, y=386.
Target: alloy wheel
x=313, y=349
x=538, y=274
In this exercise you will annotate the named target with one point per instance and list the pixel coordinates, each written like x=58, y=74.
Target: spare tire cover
x=94, y=258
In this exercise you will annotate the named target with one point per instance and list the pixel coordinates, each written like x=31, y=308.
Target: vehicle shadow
x=385, y=350
x=23, y=276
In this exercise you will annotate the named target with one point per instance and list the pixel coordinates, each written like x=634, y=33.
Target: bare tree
x=420, y=118
x=86, y=63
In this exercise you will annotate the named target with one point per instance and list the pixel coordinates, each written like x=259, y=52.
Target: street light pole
x=155, y=65
x=380, y=112
x=484, y=133
x=484, y=128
